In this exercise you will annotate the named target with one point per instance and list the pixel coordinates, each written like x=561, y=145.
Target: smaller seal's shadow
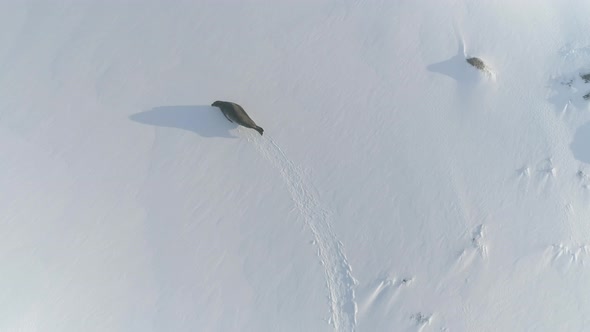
x=457, y=68
x=207, y=121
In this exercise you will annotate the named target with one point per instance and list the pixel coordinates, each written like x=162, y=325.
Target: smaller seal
x=235, y=113
x=477, y=63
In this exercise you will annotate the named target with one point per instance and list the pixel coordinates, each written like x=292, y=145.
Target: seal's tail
x=258, y=129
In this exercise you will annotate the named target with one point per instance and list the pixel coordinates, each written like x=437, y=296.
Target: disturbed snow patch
x=570, y=90
x=338, y=272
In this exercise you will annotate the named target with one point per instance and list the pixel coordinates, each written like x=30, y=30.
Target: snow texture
x=396, y=187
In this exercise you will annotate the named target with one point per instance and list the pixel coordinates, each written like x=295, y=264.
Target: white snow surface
x=396, y=187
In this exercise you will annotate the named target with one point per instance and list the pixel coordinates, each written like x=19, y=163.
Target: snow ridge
x=338, y=272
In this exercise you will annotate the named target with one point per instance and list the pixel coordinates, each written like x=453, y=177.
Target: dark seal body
x=235, y=113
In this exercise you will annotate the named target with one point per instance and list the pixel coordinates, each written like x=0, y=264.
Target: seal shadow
x=205, y=120
x=457, y=68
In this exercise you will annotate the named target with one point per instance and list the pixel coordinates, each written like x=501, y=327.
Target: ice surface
x=396, y=188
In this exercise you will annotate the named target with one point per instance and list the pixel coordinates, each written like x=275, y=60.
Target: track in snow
x=339, y=279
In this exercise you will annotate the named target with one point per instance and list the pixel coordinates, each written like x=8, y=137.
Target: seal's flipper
x=227, y=117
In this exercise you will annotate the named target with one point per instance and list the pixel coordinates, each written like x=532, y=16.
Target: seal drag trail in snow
x=338, y=272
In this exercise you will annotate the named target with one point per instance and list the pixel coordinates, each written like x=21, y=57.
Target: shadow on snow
x=205, y=120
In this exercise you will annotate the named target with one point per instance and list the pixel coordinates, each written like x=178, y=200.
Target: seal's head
x=217, y=103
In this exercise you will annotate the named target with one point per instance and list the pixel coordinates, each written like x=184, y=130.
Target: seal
x=235, y=113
